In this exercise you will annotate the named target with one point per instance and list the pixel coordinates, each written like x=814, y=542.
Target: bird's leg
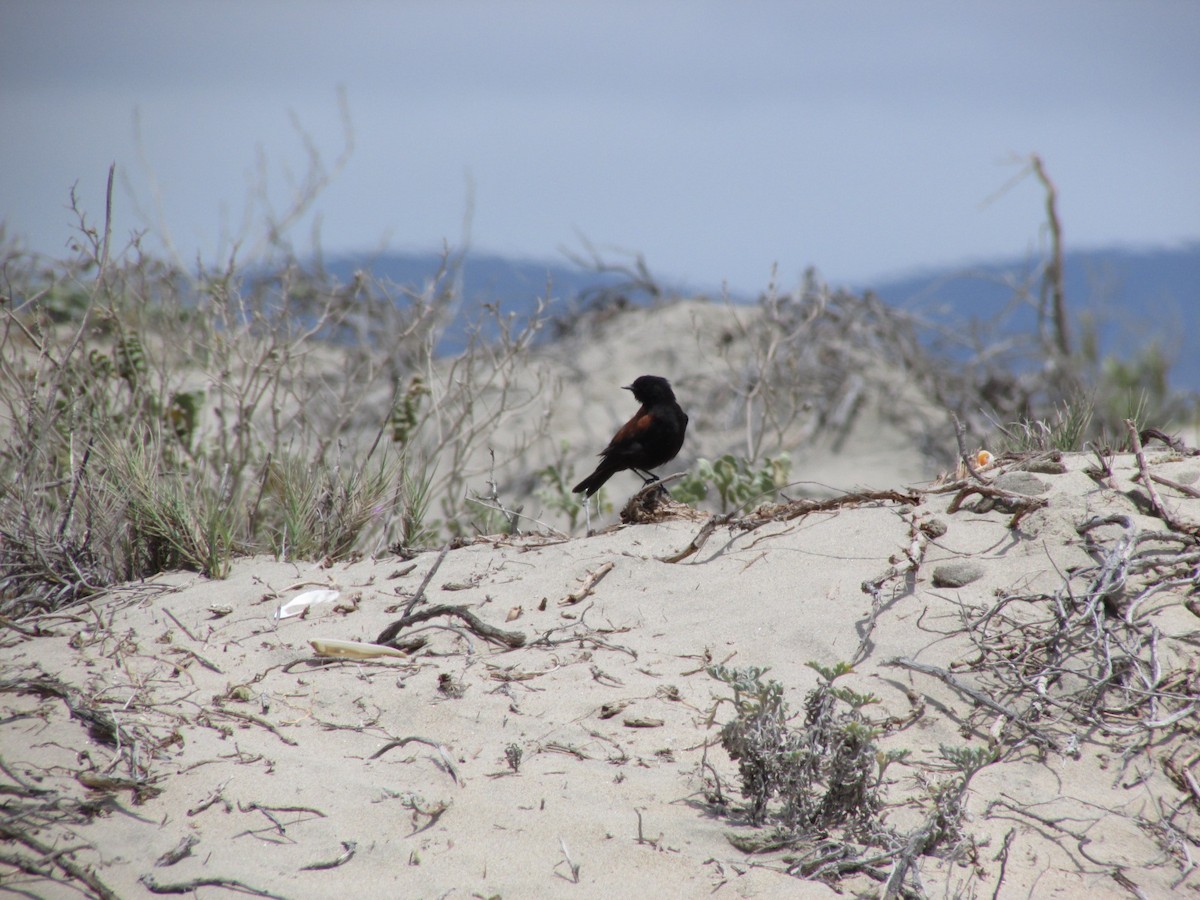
x=647, y=477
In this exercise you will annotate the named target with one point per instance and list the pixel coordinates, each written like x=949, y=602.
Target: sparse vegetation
x=153, y=419
x=819, y=785
x=736, y=480
x=825, y=773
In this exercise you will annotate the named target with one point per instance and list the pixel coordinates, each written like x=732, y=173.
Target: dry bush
x=818, y=782
x=818, y=357
x=152, y=418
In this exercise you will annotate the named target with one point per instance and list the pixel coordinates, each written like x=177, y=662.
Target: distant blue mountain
x=1134, y=297
x=515, y=285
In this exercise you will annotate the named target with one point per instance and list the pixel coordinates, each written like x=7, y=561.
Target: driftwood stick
x=1021, y=504
x=1177, y=444
x=477, y=625
x=589, y=585
x=697, y=542
x=1156, y=504
x=100, y=724
x=944, y=676
x=1155, y=501
x=793, y=509
x=188, y=887
x=785, y=512
x=416, y=598
x=1175, y=485
x=439, y=747
x=81, y=873
x=186, y=630
x=254, y=720
x=349, y=848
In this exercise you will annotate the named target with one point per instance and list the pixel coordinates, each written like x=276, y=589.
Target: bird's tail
x=593, y=482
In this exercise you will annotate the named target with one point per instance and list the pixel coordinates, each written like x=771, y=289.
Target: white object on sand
x=301, y=602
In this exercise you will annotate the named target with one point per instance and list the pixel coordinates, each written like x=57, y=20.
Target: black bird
x=650, y=439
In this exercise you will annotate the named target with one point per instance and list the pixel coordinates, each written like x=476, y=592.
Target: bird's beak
x=627, y=387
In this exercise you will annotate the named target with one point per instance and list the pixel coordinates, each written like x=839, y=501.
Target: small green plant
x=736, y=480
x=941, y=832
x=825, y=773
x=819, y=783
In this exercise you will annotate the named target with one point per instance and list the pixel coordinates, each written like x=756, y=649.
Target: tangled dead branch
x=1087, y=657
x=390, y=635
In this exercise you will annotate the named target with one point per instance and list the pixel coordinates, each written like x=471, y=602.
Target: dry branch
x=1053, y=292
x=699, y=540
x=1177, y=444
x=388, y=636
x=101, y=726
x=1156, y=504
x=439, y=747
x=787, y=511
x=254, y=720
x=348, y=848
x=1020, y=505
x=420, y=593
x=978, y=696
x=83, y=874
x=189, y=887
x=794, y=509
x=589, y=585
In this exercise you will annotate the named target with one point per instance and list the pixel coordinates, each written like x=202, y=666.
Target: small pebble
x=956, y=574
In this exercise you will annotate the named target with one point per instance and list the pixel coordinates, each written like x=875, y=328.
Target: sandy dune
x=210, y=724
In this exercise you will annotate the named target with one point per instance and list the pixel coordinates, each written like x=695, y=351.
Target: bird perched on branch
x=650, y=439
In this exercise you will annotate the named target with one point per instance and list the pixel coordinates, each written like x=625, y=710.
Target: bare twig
x=185, y=629
x=255, y=720
x=477, y=625
x=968, y=459
x=416, y=598
x=978, y=696
x=439, y=747
x=1177, y=444
x=1176, y=485
x=83, y=874
x=698, y=541
x=1148, y=480
x=787, y=511
x=182, y=850
x=188, y=887
x=1020, y=504
x=349, y=847
x=1052, y=283
x=589, y=585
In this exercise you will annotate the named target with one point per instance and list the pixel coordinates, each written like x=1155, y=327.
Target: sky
x=722, y=141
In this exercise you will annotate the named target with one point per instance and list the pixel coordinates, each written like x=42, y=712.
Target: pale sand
x=778, y=596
